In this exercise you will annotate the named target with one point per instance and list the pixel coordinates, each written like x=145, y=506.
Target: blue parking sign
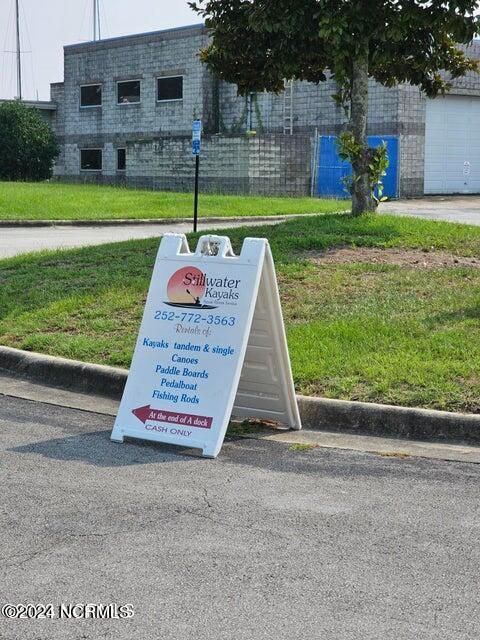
x=196, y=137
x=196, y=146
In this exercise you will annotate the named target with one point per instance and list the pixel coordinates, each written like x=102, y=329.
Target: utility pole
x=19, y=52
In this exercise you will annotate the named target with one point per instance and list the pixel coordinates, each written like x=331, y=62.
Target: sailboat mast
x=96, y=20
x=19, y=52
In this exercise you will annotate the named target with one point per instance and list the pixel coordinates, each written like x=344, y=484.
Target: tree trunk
x=362, y=200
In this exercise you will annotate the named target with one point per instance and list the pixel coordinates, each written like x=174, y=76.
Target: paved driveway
x=16, y=240
x=450, y=208
x=263, y=543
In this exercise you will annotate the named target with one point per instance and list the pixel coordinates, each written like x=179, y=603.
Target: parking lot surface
x=267, y=541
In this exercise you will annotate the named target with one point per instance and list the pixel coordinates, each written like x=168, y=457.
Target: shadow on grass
x=469, y=313
x=322, y=232
x=34, y=282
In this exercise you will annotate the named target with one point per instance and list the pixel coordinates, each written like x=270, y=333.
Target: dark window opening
x=128, y=92
x=170, y=88
x=91, y=159
x=121, y=159
x=91, y=95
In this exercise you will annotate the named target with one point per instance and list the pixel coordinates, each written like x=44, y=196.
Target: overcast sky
x=47, y=25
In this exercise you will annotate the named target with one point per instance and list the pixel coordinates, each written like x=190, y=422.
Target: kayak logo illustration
x=186, y=289
x=191, y=288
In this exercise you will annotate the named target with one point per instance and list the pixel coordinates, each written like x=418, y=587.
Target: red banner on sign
x=147, y=414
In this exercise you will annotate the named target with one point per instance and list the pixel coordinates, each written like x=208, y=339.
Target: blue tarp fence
x=331, y=169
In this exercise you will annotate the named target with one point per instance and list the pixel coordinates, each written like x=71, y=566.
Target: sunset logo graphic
x=186, y=289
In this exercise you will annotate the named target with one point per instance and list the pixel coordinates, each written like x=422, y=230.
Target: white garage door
x=452, y=145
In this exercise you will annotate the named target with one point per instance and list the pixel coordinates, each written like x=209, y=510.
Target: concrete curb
x=365, y=418
x=153, y=221
x=322, y=414
x=66, y=374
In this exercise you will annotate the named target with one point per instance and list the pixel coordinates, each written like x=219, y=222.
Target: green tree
x=28, y=144
x=256, y=44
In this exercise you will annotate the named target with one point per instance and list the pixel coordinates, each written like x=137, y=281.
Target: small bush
x=29, y=147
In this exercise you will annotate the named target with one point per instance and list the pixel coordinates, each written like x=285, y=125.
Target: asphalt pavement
x=464, y=209
x=17, y=240
x=264, y=542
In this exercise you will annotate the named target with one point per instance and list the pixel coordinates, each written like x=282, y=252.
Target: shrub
x=28, y=145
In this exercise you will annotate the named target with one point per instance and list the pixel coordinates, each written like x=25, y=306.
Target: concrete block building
x=124, y=112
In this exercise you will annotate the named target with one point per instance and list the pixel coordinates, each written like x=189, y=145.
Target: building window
x=91, y=95
x=128, y=92
x=91, y=159
x=170, y=88
x=121, y=159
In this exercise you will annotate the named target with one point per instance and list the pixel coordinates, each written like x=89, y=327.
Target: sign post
x=211, y=345
x=196, y=148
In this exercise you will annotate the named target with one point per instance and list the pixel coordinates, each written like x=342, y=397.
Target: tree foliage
x=256, y=44
x=378, y=162
x=28, y=145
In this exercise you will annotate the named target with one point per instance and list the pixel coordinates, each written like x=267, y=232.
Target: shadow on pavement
x=97, y=449
x=326, y=462
x=85, y=437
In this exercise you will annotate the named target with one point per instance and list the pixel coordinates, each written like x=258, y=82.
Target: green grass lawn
x=57, y=201
x=358, y=330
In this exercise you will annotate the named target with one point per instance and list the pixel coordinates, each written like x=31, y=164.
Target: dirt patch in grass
x=413, y=258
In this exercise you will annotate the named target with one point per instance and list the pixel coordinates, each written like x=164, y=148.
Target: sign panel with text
x=196, y=137
x=205, y=338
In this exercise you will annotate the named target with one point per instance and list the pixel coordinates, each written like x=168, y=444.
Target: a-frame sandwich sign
x=211, y=345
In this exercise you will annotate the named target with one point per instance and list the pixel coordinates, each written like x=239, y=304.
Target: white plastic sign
x=211, y=344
